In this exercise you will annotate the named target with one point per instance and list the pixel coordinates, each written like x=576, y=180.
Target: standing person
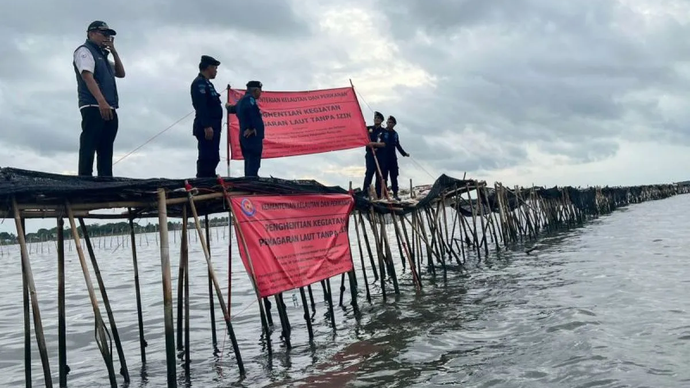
x=251, y=128
x=208, y=118
x=374, y=142
x=98, y=98
x=392, y=142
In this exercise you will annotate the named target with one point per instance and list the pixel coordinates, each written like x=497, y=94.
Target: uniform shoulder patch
x=252, y=101
x=202, y=88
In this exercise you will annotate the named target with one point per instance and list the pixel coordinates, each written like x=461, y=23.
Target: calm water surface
x=605, y=305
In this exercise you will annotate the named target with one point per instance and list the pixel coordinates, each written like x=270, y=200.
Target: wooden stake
x=219, y=293
x=106, y=302
x=167, y=289
x=137, y=289
x=101, y=331
x=62, y=335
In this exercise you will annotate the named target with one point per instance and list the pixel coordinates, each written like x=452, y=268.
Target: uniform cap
x=102, y=27
x=254, y=84
x=209, y=60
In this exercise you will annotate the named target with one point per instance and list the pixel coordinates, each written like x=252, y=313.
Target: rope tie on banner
x=224, y=185
x=187, y=187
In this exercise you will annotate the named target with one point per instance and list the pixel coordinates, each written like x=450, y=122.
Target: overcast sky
x=518, y=91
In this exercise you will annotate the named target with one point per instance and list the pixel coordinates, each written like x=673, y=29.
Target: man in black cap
x=98, y=98
x=375, y=141
x=251, y=128
x=208, y=119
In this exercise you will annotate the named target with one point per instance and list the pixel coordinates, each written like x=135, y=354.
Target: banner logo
x=247, y=207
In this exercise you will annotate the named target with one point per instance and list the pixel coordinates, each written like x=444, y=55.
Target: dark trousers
x=97, y=139
x=209, y=153
x=372, y=173
x=252, y=149
x=391, y=170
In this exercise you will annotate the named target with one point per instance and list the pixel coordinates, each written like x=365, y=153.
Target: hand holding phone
x=109, y=43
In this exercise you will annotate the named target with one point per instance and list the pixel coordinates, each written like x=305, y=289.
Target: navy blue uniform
x=375, y=137
x=209, y=113
x=249, y=117
x=392, y=140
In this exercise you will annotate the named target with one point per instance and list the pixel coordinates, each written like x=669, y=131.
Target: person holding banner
x=371, y=156
x=392, y=142
x=251, y=128
x=208, y=119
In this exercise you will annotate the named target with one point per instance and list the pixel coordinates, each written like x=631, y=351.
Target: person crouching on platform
x=208, y=119
x=392, y=142
x=374, y=142
x=251, y=128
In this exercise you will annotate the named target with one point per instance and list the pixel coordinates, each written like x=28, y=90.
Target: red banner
x=295, y=240
x=302, y=123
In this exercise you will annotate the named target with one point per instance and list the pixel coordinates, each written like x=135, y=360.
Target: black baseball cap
x=102, y=27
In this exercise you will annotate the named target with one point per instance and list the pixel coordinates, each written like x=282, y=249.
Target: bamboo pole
x=184, y=259
x=137, y=290
x=180, y=289
x=307, y=319
x=106, y=302
x=167, y=289
x=366, y=243
x=415, y=278
x=219, y=293
x=326, y=285
x=461, y=227
x=62, y=335
x=212, y=306
x=101, y=331
x=388, y=254
x=382, y=276
x=284, y=321
x=361, y=256
x=480, y=205
x=27, y=314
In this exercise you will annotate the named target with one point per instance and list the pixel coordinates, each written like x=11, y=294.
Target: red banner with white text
x=302, y=123
x=293, y=241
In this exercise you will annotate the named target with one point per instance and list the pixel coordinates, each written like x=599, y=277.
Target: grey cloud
x=261, y=17
x=584, y=152
x=538, y=70
x=570, y=77
x=153, y=95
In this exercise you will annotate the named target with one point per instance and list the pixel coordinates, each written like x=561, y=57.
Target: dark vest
x=374, y=137
x=104, y=75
